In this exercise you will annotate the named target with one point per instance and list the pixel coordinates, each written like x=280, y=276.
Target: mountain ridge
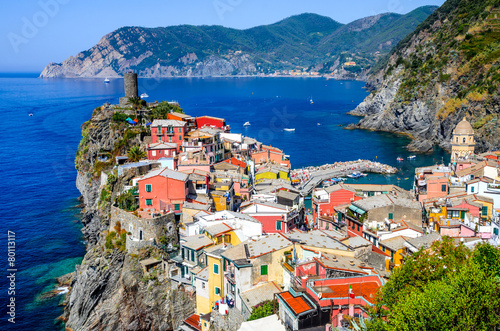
x=306, y=42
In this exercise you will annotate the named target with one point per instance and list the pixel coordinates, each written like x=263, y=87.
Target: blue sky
x=36, y=32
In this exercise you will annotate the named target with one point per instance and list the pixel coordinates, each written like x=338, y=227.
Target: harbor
x=308, y=178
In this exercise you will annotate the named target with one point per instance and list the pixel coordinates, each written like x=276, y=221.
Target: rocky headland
x=447, y=69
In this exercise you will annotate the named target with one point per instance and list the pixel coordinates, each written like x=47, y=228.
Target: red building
x=159, y=150
x=169, y=131
x=274, y=217
x=325, y=200
x=210, y=121
x=163, y=189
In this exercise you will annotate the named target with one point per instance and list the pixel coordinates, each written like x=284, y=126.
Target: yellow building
x=462, y=141
x=222, y=233
x=273, y=172
x=395, y=247
x=215, y=274
x=202, y=292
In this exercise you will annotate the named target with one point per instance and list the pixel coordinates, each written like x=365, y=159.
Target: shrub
x=119, y=117
x=263, y=309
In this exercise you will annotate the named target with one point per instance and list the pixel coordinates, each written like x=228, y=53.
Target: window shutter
x=263, y=270
x=391, y=216
x=462, y=214
x=485, y=210
x=149, y=187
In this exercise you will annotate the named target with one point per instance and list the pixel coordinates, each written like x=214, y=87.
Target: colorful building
x=159, y=150
x=169, y=131
x=325, y=200
x=210, y=121
x=163, y=189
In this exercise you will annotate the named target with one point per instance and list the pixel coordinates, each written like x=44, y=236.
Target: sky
x=34, y=33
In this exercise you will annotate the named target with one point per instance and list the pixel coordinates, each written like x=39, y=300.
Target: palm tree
x=135, y=153
x=136, y=103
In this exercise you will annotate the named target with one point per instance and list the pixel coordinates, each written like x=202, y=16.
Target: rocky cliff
x=445, y=70
x=109, y=290
x=308, y=42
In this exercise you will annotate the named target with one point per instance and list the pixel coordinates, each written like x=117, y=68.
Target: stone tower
x=462, y=141
x=130, y=82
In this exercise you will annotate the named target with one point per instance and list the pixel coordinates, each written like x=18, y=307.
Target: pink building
x=159, y=150
x=163, y=189
x=170, y=131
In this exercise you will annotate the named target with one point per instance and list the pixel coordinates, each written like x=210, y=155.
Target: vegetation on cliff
x=446, y=288
x=445, y=69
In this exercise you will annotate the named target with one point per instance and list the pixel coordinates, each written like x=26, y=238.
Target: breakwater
x=310, y=177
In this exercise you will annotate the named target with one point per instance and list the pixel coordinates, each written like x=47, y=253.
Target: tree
x=137, y=103
x=447, y=288
x=127, y=201
x=135, y=153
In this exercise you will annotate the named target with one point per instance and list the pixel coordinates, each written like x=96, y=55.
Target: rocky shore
x=109, y=290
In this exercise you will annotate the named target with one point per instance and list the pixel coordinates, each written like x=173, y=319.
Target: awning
x=357, y=210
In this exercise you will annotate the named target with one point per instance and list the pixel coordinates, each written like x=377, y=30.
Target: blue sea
x=37, y=164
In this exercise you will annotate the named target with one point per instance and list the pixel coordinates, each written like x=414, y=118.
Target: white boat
x=246, y=124
x=289, y=130
x=30, y=114
x=319, y=123
x=144, y=95
x=411, y=157
x=311, y=101
x=106, y=81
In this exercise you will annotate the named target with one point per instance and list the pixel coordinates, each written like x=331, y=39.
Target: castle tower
x=462, y=141
x=130, y=82
x=131, y=88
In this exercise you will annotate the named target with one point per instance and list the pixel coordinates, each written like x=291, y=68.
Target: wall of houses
x=411, y=215
x=202, y=300
x=274, y=268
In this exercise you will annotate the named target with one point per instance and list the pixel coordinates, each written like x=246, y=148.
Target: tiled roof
x=358, y=241
x=217, y=250
x=395, y=243
x=424, y=241
x=168, y=123
x=197, y=242
x=297, y=304
x=162, y=145
x=338, y=262
x=193, y=321
x=384, y=200
x=167, y=173
x=202, y=274
x=269, y=244
x=259, y=293
x=316, y=238
x=287, y=195
x=217, y=229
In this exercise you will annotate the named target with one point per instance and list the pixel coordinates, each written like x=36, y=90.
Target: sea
x=40, y=213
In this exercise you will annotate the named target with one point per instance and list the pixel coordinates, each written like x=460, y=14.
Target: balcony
x=230, y=277
x=169, y=133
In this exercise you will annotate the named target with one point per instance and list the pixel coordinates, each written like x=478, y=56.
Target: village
x=231, y=216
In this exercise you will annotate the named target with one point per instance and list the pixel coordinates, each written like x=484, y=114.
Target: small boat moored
x=106, y=81
x=399, y=159
x=247, y=124
x=144, y=95
x=289, y=130
x=411, y=157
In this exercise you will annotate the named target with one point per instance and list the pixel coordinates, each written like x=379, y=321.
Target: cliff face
x=109, y=290
x=308, y=41
x=445, y=70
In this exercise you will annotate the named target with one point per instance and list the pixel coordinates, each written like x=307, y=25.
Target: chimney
x=351, y=262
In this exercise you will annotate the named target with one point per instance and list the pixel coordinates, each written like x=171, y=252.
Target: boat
x=106, y=81
x=399, y=159
x=289, y=130
x=356, y=175
x=319, y=123
x=246, y=124
x=327, y=183
x=144, y=95
x=311, y=101
x=411, y=157
x=30, y=114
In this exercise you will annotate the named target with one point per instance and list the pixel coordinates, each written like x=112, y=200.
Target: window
x=159, y=138
x=180, y=130
x=443, y=188
x=484, y=211
x=278, y=225
x=149, y=187
x=154, y=153
x=463, y=139
x=327, y=226
x=192, y=256
x=180, y=137
x=391, y=216
x=392, y=256
x=358, y=227
x=217, y=290
x=263, y=270
x=472, y=189
x=216, y=269
x=159, y=129
x=170, y=139
x=203, y=285
x=149, y=202
x=177, y=206
x=383, y=249
x=462, y=214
